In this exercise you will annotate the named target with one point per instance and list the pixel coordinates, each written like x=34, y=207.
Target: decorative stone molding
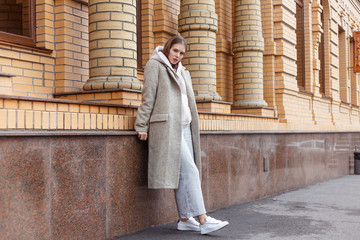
x=317, y=31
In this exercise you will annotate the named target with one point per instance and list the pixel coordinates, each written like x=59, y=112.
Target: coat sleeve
x=151, y=79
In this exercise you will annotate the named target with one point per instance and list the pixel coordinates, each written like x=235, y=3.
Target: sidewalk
x=329, y=210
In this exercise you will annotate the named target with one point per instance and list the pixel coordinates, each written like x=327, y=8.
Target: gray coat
x=160, y=116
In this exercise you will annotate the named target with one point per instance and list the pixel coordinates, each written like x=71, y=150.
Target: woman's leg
x=188, y=196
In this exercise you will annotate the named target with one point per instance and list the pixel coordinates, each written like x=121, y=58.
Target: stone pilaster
x=198, y=25
x=113, y=45
x=248, y=48
x=317, y=31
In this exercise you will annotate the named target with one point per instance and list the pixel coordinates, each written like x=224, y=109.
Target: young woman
x=168, y=117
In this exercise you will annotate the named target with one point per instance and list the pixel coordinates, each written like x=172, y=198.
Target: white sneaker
x=190, y=225
x=212, y=225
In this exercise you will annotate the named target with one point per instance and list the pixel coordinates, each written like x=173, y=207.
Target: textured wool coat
x=160, y=116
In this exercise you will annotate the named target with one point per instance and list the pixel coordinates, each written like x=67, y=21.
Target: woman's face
x=176, y=53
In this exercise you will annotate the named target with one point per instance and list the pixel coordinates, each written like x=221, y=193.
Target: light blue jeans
x=189, y=198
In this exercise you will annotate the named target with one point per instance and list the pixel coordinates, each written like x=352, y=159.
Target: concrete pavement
x=329, y=210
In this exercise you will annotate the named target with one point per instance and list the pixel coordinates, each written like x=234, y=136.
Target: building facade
x=275, y=85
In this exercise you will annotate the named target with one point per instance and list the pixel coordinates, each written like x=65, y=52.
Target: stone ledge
x=3, y=74
x=237, y=114
x=51, y=133
x=66, y=101
x=255, y=111
x=214, y=106
x=121, y=96
x=97, y=91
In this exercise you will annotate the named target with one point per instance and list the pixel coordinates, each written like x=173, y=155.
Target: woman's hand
x=142, y=135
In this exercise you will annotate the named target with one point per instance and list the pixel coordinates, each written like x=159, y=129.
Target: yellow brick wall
x=33, y=70
x=165, y=20
x=20, y=114
x=60, y=64
x=45, y=17
x=71, y=45
x=147, y=30
x=224, y=56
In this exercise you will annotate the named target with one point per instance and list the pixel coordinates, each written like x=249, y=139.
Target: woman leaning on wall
x=168, y=118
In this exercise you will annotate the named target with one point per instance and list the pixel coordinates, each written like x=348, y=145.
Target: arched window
x=300, y=47
x=17, y=24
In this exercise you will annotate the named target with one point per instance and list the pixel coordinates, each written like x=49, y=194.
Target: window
x=17, y=21
x=300, y=47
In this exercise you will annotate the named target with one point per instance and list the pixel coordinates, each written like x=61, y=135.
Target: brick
x=113, y=25
x=63, y=107
x=93, y=121
x=80, y=121
x=99, y=35
x=74, y=120
x=121, y=123
x=74, y=108
x=20, y=119
x=23, y=88
x=109, y=7
x=29, y=119
x=99, y=121
x=11, y=119
x=112, y=110
x=29, y=57
x=9, y=54
x=40, y=106
x=37, y=119
x=87, y=121
x=53, y=120
x=45, y=120
x=84, y=108
x=105, y=121
x=25, y=105
x=67, y=121
x=10, y=103
x=3, y=118
x=98, y=53
x=60, y=120
x=116, y=122
x=110, y=121
x=51, y=107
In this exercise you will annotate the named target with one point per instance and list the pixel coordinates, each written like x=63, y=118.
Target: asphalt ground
x=329, y=210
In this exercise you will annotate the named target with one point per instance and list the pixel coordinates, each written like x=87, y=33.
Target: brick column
x=198, y=25
x=112, y=49
x=248, y=47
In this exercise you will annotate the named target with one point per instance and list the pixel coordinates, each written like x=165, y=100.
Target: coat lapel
x=188, y=84
x=172, y=75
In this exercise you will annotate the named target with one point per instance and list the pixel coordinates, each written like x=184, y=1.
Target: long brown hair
x=171, y=42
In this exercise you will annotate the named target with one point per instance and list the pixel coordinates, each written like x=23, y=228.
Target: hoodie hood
x=158, y=55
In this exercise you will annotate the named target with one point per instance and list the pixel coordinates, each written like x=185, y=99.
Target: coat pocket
x=159, y=118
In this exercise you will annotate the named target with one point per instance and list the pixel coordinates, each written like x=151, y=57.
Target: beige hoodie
x=185, y=110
